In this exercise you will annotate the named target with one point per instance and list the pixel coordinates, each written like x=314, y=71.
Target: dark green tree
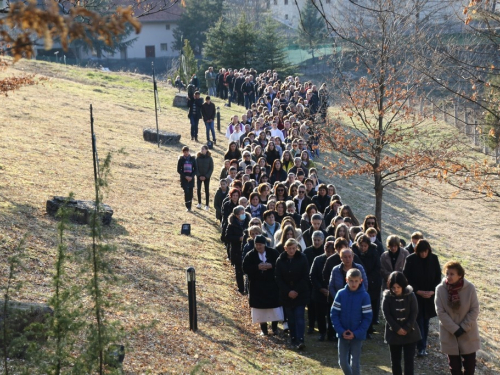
x=216, y=46
x=270, y=51
x=197, y=18
x=242, y=44
x=312, y=29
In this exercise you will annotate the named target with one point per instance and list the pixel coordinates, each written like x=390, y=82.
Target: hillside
x=46, y=151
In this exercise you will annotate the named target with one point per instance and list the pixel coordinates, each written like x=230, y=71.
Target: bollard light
x=191, y=283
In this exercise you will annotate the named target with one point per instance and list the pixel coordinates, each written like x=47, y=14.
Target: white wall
x=152, y=34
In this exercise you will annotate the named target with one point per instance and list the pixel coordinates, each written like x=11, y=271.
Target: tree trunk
x=379, y=190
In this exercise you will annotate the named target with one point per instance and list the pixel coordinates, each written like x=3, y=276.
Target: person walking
x=208, y=113
x=186, y=167
x=194, y=114
x=204, y=170
x=457, y=308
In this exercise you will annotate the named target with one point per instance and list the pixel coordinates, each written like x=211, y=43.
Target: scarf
x=453, y=297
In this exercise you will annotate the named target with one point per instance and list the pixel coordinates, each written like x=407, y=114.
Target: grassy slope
x=45, y=151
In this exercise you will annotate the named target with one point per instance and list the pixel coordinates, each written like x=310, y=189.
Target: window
x=167, y=26
x=286, y=16
x=150, y=51
x=164, y=47
x=328, y=1
x=286, y=2
x=275, y=2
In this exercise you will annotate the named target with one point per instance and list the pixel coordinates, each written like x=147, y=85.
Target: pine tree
x=195, y=21
x=312, y=29
x=188, y=63
x=242, y=40
x=270, y=53
x=216, y=46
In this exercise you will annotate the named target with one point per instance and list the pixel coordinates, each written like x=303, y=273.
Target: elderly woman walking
x=457, y=307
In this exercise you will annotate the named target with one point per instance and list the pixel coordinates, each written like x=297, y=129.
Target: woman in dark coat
x=400, y=309
x=292, y=276
x=423, y=272
x=259, y=264
x=277, y=174
x=204, y=170
x=238, y=222
x=322, y=200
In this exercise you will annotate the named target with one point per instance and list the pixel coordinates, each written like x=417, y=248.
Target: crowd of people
x=296, y=246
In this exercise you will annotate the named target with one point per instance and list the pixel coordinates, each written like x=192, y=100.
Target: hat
x=260, y=239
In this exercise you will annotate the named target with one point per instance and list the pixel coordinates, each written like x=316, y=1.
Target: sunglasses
x=302, y=192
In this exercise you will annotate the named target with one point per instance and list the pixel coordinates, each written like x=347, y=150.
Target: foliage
x=11, y=341
x=241, y=49
x=188, y=63
x=270, y=49
x=312, y=29
x=197, y=18
x=217, y=44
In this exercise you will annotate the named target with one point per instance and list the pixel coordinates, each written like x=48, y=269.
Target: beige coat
x=450, y=320
x=386, y=264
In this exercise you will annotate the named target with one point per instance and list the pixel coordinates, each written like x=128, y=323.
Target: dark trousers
x=264, y=328
x=238, y=269
x=240, y=98
x=375, y=302
x=296, y=323
x=468, y=361
x=311, y=315
x=224, y=92
x=322, y=309
x=188, y=195
x=206, y=182
x=423, y=325
x=408, y=352
x=194, y=127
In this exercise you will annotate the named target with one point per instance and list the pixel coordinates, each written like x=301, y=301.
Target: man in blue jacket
x=339, y=273
x=351, y=316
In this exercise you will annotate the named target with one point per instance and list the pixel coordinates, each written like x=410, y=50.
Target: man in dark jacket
x=316, y=221
x=320, y=293
x=194, y=114
x=259, y=264
x=238, y=82
x=237, y=223
x=311, y=252
x=204, y=170
x=247, y=89
x=208, y=113
x=186, y=167
x=301, y=200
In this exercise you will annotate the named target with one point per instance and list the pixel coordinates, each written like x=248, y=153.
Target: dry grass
x=45, y=151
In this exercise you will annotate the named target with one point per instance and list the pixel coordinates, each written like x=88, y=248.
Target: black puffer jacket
x=293, y=274
x=234, y=233
x=401, y=312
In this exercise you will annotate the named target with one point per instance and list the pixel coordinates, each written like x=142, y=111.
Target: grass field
x=46, y=151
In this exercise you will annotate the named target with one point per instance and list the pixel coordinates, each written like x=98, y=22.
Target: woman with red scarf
x=457, y=308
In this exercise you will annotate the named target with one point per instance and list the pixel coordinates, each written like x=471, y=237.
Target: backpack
x=191, y=90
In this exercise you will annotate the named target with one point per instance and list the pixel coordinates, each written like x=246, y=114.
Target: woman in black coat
x=400, y=309
x=423, y=272
x=322, y=200
x=292, y=276
x=237, y=223
x=259, y=264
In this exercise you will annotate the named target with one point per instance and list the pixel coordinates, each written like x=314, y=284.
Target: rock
x=82, y=210
x=19, y=317
x=166, y=138
x=180, y=100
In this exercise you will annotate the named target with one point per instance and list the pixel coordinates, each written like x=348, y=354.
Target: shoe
x=422, y=353
x=301, y=346
x=263, y=333
x=215, y=142
x=206, y=208
x=198, y=205
x=188, y=210
x=196, y=139
x=192, y=138
x=321, y=337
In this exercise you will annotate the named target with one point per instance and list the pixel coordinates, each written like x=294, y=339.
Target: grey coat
x=401, y=312
x=386, y=264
